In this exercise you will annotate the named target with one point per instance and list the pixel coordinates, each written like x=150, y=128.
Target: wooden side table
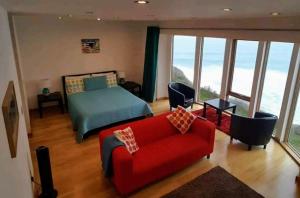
x=52, y=97
x=133, y=87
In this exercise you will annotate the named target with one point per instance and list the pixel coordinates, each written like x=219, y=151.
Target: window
x=212, y=67
x=242, y=106
x=184, y=59
x=275, y=76
x=244, y=65
x=240, y=73
x=294, y=136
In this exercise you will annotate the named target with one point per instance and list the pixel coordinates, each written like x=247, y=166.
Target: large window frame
x=291, y=91
x=278, y=128
x=200, y=66
x=231, y=73
x=257, y=76
x=291, y=117
x=291, y=95
x=196, y=57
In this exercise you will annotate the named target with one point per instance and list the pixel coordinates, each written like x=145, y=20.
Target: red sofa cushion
x=164, y=156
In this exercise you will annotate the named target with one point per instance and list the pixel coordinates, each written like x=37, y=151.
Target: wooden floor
x=77, y=172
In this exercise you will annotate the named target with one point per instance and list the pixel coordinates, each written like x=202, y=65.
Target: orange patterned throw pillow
x=181, y=119
x=126, y=136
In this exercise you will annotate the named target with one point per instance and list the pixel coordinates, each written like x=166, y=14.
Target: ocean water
x=212, y=68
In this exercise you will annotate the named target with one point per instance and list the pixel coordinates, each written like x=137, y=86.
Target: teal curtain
x=150, y=65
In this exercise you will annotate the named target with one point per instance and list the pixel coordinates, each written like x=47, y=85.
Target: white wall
x=20, y=75
x=283, y=36
x=243, y=28
x=164, y=63
x=50, y=48
x=14, y=173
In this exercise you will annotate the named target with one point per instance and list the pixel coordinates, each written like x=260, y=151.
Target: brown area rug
x=214, y=184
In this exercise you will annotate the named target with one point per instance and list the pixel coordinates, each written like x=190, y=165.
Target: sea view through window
x=276, y=73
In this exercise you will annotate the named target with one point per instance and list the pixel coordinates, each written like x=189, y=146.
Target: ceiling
x=156, y=9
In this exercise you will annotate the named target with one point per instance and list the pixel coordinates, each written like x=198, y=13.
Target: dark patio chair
x=180, y=94
x=253, y=131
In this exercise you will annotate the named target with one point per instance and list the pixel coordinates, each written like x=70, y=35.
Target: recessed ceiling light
x=141, y=2
x=227, y=9
x=275, y=13
x=98, y=19
x=60, y=17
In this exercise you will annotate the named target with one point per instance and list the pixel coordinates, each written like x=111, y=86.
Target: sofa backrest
x=152, y=129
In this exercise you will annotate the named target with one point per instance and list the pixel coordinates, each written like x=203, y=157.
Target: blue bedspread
x=94, y=109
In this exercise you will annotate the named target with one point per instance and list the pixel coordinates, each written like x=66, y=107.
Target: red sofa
x=163, y=151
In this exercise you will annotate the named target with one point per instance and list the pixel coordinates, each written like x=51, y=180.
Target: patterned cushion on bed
x=74, y=85
x=111, y=80
x=78, y=77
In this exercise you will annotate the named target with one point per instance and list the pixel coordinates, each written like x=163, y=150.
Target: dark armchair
x=253, y=131
x=180, y=94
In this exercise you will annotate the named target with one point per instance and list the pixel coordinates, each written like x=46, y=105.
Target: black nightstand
x=52, y=97
x=132, y=87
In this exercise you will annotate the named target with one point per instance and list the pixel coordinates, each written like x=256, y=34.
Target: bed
x=95, y=109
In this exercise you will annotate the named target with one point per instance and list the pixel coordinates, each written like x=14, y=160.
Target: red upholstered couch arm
x=205, y=129
x=105, y=133
x=122, y=162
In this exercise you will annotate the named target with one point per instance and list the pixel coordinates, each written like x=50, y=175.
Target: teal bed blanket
x=94, y=109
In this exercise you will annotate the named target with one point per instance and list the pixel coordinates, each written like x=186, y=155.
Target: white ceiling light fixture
x=60, y=17
x=98, y=19
x=141, y=2
x=275, y=13
x=227, y=9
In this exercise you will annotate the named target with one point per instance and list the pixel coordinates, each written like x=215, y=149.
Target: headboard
x=73, y=75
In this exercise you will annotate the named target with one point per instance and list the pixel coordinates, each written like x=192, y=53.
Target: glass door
x=242, y=73
x=294, y=133
x=184, y=48
x=276, y=73
x=211, y=68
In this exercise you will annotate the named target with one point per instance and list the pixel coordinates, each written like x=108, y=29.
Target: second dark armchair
x=180, y=94
x=253, y=131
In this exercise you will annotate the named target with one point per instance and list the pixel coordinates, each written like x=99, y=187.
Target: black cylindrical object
x=43, y=159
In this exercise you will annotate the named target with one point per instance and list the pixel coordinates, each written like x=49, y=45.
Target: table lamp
x=45, y=85
x=121, y=76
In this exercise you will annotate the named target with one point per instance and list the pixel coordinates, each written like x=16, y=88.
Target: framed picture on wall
x=90, y=45
x=11, y=118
